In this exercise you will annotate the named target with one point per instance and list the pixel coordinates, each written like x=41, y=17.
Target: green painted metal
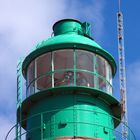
x=8, y=136
x=71, y=110
x=68, y=26
x=19, y=82
x=110, y=100
x=69, y=38
x=75, y=118
x=19, y=97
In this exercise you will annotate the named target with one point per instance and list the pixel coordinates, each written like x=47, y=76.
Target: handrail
x=63, y=70
x=69, y=69
x=56, y=110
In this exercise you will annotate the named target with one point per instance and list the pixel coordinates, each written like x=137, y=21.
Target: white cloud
x=27, y=22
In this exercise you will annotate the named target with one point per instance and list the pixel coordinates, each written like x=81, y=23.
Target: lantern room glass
x=84, y=60
x=43, y=64
x=63, y=59
x=69, y=67
x=65, y=78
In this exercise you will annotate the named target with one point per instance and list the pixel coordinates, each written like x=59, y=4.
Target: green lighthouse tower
x=69, y=88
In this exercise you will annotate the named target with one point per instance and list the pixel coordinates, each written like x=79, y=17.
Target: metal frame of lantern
x=106, y=70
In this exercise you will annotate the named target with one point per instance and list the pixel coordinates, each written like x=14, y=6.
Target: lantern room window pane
x=109, y=89
x=43, y=63
x=84, y=60
x=100, y=66
x=64, y=78
x=32, y=88
x=84, y=79
x=63, y=59
x=102, y=84
x=31, y=72
x=108, y=73
x=43, y=83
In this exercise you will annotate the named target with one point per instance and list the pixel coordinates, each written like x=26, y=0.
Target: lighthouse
x=69, y=92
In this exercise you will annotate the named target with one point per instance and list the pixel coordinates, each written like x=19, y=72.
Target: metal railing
x=41, y=127
x=97, y=82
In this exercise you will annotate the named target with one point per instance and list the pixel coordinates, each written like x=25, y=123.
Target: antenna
x=122, y=72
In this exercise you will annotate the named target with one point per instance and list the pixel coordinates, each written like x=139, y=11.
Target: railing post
x=42, y=125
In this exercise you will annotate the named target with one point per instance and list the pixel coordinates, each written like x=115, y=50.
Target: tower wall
x=69, y=115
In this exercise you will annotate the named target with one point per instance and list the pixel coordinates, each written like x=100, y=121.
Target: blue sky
x=24, y=23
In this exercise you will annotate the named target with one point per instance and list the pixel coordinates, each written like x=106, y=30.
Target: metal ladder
x=122, y=72
x=19, y=99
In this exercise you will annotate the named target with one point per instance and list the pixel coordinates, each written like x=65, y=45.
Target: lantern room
x=75, y=64
x=69, y=67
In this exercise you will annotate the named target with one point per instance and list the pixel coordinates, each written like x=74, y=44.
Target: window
x=100, y=66
x=63, y=59
x=102, y=84
x=64, y=78
x=84, y=79
x=59, y=68
x=43, y=64
x=31, y=72
x=84, y=60
x=31, y=89
x=43, y=83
